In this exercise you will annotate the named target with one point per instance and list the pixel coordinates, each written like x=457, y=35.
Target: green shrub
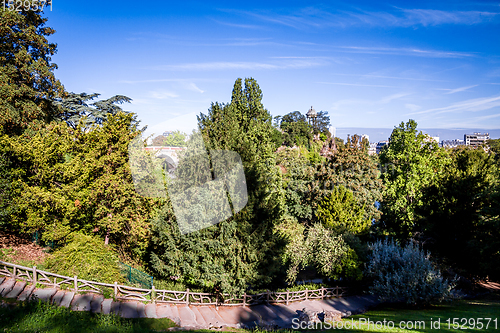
x=405, y=274
x=88, y=258
x=342, y=213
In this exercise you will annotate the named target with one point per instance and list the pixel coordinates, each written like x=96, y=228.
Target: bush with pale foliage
x=405, y=274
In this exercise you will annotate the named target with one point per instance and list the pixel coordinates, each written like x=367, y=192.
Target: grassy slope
x=469, y=309
x=42, y=317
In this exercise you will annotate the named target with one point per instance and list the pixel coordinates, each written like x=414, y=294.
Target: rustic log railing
x=121, y=292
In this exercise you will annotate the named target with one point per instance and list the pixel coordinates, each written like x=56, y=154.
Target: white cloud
x=384, y=100
x=181, y=81
x=428, y=17
x=311, y=17
x=358, y=84
x=238, y=25
x=162, y=94
x=391, y=98
x=413, y=107
x=193, y=87
x=406, y=51
x=452, y=91
x=471, y=105
x=369, y=76
x=208, y=66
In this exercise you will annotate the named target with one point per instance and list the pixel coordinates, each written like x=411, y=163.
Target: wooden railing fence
x=121, y=292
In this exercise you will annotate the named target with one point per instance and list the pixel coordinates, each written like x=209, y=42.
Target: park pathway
x=188, y=317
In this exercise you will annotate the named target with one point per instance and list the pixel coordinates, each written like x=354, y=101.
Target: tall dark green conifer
x=27, y=82
x=242, y=250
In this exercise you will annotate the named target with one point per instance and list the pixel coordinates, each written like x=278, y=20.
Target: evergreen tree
x=73, y=180
x=27, y=82
x=242, y=250
x=352, y=168
x=460, y=216
x=340, y=212
x=75, y=108
x=298, y=178
x=322, y=123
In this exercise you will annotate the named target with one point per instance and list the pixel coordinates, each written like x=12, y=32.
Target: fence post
x=116, y=290
x=187, y=296
x=14, y=272
x=287, y=296
x=307, y=294
x=322, y=292
x=337, y=291
x=34, y=275
x=75, y=283
x=153, y=294
x=267, y=296
x=245, y=298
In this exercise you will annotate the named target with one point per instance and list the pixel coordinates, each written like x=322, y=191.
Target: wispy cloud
x=357, y=84
x=339, y=105
x=209, y=66
x=313, y=17
x=470, y=105
x=412, y=107
x=193, y=87
x=406, y=51
x=181, y=81
x=393, y=97
x=238, y=25
x=453, y=91
x=162, y=94
x=375, y=76
x=428, y=17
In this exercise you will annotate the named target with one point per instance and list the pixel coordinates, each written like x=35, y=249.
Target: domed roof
x=311, y=113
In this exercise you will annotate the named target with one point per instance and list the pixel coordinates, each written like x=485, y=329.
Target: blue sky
x=369, y=64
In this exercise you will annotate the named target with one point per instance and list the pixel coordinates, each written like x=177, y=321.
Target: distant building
x=372, y=149
x=476, y=139
x=167, y=133
x=380, y=145
x=452, y=143
x=430, y=138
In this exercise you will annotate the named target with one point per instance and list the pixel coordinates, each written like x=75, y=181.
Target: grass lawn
x=487, y=307
x=42, y=317
x=466, y=312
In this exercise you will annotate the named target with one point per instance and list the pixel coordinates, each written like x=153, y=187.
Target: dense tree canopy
x=76, y=109
x=352, y=168
x=27, y=82
x=459, y=219
x=174, y=139
x=67, y=171
x=340, y=212
x=73, y=180
x=296, y=130
x=241, y=250
x=411, y=163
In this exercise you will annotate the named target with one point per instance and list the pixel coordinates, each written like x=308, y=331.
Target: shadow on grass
x=43, y=317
